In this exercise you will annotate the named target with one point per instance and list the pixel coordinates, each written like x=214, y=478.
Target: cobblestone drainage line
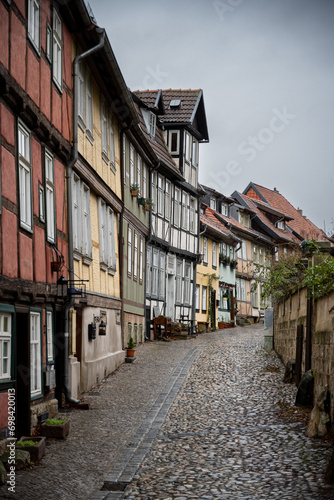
x=122, y=474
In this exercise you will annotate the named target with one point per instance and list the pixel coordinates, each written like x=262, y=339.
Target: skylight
x=175, y=103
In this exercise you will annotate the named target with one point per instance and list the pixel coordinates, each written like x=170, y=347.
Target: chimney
x=299, y=210
x=276, y=190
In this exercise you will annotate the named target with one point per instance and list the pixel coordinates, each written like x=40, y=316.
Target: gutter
x=69, y=171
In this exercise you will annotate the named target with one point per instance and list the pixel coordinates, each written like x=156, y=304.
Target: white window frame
x=111, y=243
x=187, y=147
x=224, y=209
x=86, y=244
x=162, y=275
x=204, y=299
x=148, y=270
x=205, y=250
x=107, y=237
x=5, y=339
x=50, y=198
x=49, y=337
x=129, y=251
x=194, y=153
x=179, y=266
x=167, y=199
x=104, y=131
x=171, y=134
x=197, y=298
x=154, y=191
x=112, y=143
x=152, y=125
x=81, y=95
x=35, y=355
x=177, y=208
x=213, y=203
x=187, y=275
x=144, y=190
x=160, y=207
x=155, y=272
x=132, y=164
x=139, y=163
x=214, y=254
x=244, y=219
x=25, y=177
x=48, y=50
x=89, y=109
x=192, y=218
x=184, y=210
x=34, y=23
x=141, y=256
x=57, y=49
x=135, y=256
x=41, y=202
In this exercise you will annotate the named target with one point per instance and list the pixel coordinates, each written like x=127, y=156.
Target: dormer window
x=280, y=224
x=244, y=219
x=174, y=141
x=213, y=203
x=150, y=121
x=224, y=209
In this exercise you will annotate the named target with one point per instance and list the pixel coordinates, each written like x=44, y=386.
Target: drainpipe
x=70, y=303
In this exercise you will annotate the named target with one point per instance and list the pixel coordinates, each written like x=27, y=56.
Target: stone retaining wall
x=291, y=313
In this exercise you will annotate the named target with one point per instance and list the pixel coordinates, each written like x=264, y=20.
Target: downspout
x=70, y=303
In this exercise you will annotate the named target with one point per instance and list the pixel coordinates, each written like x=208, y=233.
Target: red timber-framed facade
x=35, y=128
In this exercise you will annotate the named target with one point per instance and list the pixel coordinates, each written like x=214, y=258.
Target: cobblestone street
x=187, y=420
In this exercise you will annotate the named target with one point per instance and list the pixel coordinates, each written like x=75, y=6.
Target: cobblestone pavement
x=203, y=412
x=223, y=438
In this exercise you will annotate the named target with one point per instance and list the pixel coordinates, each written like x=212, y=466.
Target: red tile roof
x=300, y=224
x=212, y=222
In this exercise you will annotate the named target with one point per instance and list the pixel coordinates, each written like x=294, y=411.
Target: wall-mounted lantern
x=62, y=285
x=102, y=328
x=91, y=331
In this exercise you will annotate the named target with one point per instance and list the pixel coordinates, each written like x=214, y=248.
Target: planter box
x=37, y=451
x=59, y=431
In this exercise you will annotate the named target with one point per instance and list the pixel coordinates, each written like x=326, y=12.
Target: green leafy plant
x=54, y=421
x=131, y=344
x=28, y=442
x=134, y=187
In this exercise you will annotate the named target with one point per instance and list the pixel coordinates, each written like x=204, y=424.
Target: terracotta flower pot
x=130, y=353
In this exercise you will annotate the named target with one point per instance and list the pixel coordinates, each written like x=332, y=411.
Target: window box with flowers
x=233, y=264
x=149, y=203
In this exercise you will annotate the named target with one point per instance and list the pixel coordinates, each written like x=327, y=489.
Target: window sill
x=105, y=157
x=77, y=255
x=89, y=136
x=112, y=167
x=81, y=123
x=87, y=260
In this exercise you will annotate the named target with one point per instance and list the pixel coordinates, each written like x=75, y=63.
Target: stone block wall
x=291, y=313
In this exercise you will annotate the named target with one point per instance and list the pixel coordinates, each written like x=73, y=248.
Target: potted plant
x=130, y=351
x=55, y=428
x=149, y=203
x=134, y=188
x=34, y=445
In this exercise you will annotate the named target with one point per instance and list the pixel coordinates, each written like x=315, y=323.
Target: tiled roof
x=181, y=114
x=158, y=144
x=300, y=224
x=212, y=222
x=279, y=233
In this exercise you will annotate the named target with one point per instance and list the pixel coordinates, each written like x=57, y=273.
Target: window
x=174, y=141
x=184, y=210
x=5, y=345
x=280, y=225
x=135, y=256
x=107, y=237
x=129, y=251
x=177, y=207
x=112, y=142
x=160, y=195
x=154, y=190
x=241, y=289
x=187, y=147
x=162, y=272
x=50, y=198
x=124, y=157
x=255, y=255
x=24, y=143
x=167, y=200
x=132, y=164
x=81, y=96
x=153, y=120
x=82, y=241
x=104, y=131
x=41, y=203
x=187, y=283
x=141, y=251
x=138, y=170
x=89, y=110
x=35, y=355
x=242, y=252
x=194, y=154
x=155, y=272
x=49, y=337
x=48, y=42
x=192, y=215
x=179, y=281
x=34, y=23
x=197, y=297
x=204, y=299
x=144, y=191
x=244, y=219
x=224, y=209
x=262, y=255
x=57, y=50
x=148, y=270
x=214, y=254
x=205, y=250
x=213, y=203
x=276, y=253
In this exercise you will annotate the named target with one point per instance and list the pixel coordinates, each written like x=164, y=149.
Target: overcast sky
x=266, y=68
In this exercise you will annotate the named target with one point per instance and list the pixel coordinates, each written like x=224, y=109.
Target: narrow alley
x=188, y=419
